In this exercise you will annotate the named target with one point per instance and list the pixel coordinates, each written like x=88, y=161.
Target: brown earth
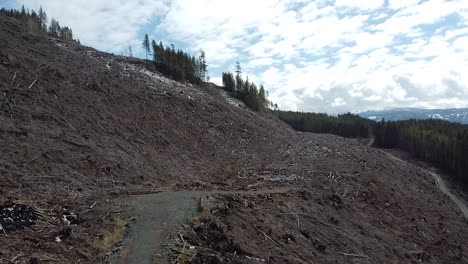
x=80, y=129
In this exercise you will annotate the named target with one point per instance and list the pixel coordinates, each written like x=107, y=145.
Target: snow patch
x=437, y=116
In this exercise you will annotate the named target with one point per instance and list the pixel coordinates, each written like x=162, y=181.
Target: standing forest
x=37, y=22
x=439, y=142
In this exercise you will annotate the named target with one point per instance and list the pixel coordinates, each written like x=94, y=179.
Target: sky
x=329, y=56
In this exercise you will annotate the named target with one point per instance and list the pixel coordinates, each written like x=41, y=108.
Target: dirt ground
x=81, y=130
x=376, y=211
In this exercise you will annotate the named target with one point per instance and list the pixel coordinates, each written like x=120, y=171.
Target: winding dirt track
x=438, y=179
x=159, y=216
x=440, y=184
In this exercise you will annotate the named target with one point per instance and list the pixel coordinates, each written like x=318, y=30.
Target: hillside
x=459, y=115
x=84, y=131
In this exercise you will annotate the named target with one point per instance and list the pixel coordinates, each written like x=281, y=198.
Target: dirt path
x=159, y=215
x=440, y=184
x=443, y=187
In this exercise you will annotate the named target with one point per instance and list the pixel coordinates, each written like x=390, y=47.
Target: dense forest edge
x=346, y=125
x=441, y=143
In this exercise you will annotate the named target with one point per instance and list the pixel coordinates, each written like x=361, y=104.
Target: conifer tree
x=36, y=22
x=42, y=19
x=238, y=69
x=54, y=28
x=202, y=65
x=130, y=52
x=146, y=46
x=154, y=47
x=238, y=77
x=65, y=33
x=262, y=97
x=246, y=91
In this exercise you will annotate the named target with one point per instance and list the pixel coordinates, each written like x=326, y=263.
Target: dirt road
x=440, y=184
x=159, y=216
x=443, y=187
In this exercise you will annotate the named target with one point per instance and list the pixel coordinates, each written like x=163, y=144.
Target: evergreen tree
x=54, y=28
x=239, y=83
x=36, y=22
x=33, y=22
x=130, y=52
x=246, y=91
x=65, y=33
x=238, y=69
x=42, y=19
x=146, y=46
x=347, y=125
x=262, y=98
x=176, y=64
x=154, y=48
x=442, y=143
x=229, y=82
x=202, y=65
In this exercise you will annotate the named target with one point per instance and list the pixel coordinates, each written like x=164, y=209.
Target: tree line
x=443, y=143
x=244, y=90
x=177, y=64
x=37, y=22
x=346, y=125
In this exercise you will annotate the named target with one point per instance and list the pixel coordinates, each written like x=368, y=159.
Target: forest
x=442, y=143
x=244, y=90
x=346, y=125
x=177, y=64
x=37, y=22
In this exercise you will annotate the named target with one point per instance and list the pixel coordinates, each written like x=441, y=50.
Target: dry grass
x=185, y=255
x=114, y=233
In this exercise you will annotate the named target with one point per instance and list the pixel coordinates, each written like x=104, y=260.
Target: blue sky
x=323, y=56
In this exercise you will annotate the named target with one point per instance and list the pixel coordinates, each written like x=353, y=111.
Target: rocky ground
x=81, y=131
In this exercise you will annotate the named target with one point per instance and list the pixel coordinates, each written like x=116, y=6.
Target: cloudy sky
x=323, y=56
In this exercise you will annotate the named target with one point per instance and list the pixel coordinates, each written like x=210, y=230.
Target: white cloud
x=398, y=4
x=261, y=62
x=361, y=4
x=338, y=102
x=428, y=12
x=106, y=25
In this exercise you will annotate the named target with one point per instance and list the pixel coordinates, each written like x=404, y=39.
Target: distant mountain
x=459, y=115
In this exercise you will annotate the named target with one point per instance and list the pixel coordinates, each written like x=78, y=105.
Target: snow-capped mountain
x=459, y=115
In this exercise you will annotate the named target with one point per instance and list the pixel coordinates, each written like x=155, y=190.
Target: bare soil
x=82, y=129
x=158, y=218
x=380, y=212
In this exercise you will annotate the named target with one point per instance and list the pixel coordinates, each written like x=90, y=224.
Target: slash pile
x=16, y=216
